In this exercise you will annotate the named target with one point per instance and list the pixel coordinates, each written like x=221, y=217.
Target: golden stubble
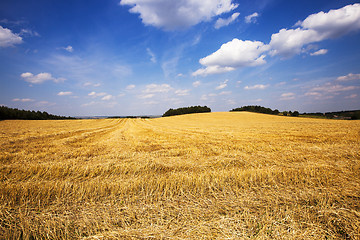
x=200, y=176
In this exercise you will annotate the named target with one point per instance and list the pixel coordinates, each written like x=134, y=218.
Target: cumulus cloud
x=349, y=77
x=64, y=93
x=329, y=89
x=288, y=42
x=334, y=23
x=222, y=85
x=69, y=48
x=157, y=88
x=196, y=84
x=287, y=96
x=180, y=14
x=40, y=78
x=212, y=70
x=8, y=38
x=87, y=84
x=315, y=28
x=107, y=97
x=257, y=86
x=130, y=87
x=251, y=18
x=184, y=92
x=333, y=88
x=232, y=55
x=95, y=94
x=319, y=52
x=221, y=22
x=23, y=100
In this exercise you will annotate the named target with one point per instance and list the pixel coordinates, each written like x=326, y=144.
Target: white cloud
x=290, y=42
x=23, y=100
x=315, y=28
x=8, y=38
x=257, y=86
x=152, y=55
x=222, y=85
x=64, y=93
x=130, y=87
x=319, y=52
x=87, y=84
x=95, y=94
x=40, y=78
x=329, y=89
x=107, y=97
x=196, y=84
x=287, y=96
x=225, y=93
x=221, y=22
x=151, y=95
x=334, y=23
x=69, y=48
x=232, y=55
x=156, y=88
x=184, y=92
x=311, y=93
x=349, y=77
x=251, y=18
x=28, y=32
x=180, y=14
x=212, y=70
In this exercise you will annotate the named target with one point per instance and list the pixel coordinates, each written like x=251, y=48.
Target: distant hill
x=14, y=113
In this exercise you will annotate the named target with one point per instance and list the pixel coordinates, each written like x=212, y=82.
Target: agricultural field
x=235, y=175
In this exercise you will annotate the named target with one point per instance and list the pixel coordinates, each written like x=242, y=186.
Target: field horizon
x=219, y=175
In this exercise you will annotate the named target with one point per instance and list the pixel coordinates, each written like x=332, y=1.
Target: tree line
x=260, y=109
x=186, y=110
x=14, y=113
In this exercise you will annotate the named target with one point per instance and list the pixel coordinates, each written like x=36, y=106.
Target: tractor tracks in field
x=64, y=141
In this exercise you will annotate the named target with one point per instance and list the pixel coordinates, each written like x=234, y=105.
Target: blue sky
x=134, y=57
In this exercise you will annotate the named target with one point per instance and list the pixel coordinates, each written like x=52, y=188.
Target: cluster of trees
x=186, y=110
x=14, y=113
x=260, y=109
x=290, y=113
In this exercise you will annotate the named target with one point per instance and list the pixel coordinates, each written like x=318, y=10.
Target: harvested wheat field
x=232, y=175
